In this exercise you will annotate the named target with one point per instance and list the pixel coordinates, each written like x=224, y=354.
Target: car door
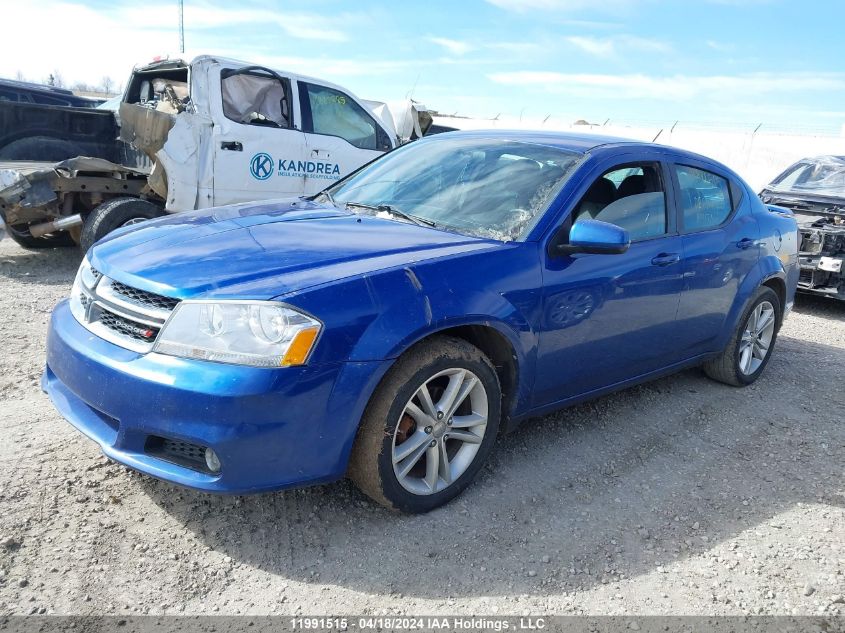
x=608, y=318
x=340, y=135
x=721, y=246
x=255, y=137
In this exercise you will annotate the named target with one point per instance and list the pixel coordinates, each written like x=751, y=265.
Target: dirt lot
x=682, y=496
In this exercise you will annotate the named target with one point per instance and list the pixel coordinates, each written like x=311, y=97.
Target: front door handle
x=232, y=146
x=745, y=242
x=666, y=259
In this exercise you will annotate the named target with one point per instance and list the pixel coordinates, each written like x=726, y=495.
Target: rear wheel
x=429, y=426
x=114, y=214
x=750, y=348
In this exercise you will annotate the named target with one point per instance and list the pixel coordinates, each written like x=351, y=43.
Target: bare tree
x=108, y=84
x=19, y=76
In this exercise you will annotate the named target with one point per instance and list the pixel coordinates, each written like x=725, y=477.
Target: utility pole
x=181, y=26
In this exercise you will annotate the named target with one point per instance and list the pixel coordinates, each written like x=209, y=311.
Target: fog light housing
x=212, y=461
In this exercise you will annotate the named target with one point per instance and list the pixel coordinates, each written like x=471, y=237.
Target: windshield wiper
x=326, y=194
x=393, y=211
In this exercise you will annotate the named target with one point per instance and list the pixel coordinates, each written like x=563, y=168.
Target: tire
x=731, y=367
x=113, y=214
x=42, y=148
x=386, y=426
x=20, y=234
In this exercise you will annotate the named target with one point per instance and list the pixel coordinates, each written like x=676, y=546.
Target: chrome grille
x=123, y=315
x=142, y=297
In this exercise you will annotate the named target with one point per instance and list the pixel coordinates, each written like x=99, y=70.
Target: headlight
x=83, y=287
x=258, y=333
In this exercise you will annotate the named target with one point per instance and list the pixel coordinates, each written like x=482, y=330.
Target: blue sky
x=742, y=62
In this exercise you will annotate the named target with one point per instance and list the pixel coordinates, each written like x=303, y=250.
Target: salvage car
x=206, y=132
x=814, y=189
x=391, y=326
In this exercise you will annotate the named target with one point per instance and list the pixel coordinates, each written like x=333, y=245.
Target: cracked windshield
x=479, y=187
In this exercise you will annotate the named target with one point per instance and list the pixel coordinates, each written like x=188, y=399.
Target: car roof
x=582, y=143
x=572, y=141
x=27, y=85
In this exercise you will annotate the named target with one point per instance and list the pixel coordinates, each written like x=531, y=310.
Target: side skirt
x=517, y=420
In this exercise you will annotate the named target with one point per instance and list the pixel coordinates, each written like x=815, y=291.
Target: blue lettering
x=336, y=170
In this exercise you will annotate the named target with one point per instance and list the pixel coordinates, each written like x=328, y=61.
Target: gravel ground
x=681, y=496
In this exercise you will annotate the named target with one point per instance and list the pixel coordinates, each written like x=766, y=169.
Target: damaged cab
x=814, y=190
x=211, y=132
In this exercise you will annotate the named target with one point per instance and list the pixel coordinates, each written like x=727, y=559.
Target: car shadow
x=820, y=306
x=50, y=266
x=614, y=488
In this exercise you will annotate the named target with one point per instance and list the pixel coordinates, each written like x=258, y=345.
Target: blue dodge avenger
x=389, y=328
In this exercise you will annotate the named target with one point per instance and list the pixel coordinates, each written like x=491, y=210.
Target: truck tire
x=113, y=214
x=43, y=148
x=20, y=234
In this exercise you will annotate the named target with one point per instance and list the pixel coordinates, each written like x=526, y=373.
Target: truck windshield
x=482, y=187
x=824, y=176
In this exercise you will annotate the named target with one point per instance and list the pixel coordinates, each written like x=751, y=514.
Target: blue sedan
x=389, y=328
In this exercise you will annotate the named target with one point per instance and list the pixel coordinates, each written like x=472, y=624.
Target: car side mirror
x=594, y=236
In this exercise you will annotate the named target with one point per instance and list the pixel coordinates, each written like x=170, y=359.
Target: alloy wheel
x=440, y=431
x=757, y=338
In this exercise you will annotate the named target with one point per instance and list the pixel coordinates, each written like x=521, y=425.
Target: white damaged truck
x=210, y=132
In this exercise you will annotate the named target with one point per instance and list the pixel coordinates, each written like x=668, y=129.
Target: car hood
x=266, y=250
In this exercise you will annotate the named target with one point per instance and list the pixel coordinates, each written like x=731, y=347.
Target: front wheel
x=113, y=214
x=429, y=426
x=751, y=346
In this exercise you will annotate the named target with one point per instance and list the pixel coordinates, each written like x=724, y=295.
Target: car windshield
x=475, y=186
x=824, y=176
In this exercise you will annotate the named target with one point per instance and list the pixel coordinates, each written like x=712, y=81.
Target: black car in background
x=814, y=190
x=26, y=92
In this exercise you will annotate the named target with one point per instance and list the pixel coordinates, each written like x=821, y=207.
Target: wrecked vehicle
x=814, y=190
x=213, y=131
x=387, y=328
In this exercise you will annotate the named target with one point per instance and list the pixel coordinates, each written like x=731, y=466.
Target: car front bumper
x=270, y=428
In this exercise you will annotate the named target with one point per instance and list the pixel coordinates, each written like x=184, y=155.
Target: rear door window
x=11, y=95
x=48, y=100
x=705, y=198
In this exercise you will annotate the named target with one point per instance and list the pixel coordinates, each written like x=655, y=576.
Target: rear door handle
x=745, y=242
x=232, y=146
x=666, y=259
